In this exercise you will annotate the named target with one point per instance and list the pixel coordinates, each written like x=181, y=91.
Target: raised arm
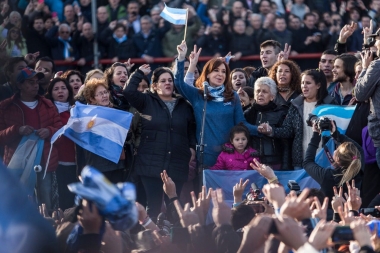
x=313, y=169
x=135, y=98
x=368, y=79
x=188, y=92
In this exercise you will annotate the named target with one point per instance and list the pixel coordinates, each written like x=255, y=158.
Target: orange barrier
x=201, y=59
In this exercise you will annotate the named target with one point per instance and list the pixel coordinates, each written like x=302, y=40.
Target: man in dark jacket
x=35, y=35
x=148, y=41
x=240, y=44
x=119, y=45
x=84, y=41
x=308, y=38
x=62, y=47
x=212, y=42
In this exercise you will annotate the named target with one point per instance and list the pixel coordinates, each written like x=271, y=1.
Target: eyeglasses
x=100, y=94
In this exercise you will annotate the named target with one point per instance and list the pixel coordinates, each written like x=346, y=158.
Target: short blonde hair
x=91, y=73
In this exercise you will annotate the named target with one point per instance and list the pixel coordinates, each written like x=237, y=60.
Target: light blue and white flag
x=342, y=114
x=174, y=15
x=98, y=129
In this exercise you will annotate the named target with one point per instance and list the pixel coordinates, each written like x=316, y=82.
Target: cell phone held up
x=370, y=211
x=342, y=235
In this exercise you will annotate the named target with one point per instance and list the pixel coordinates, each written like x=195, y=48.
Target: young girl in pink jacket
x=237, y=154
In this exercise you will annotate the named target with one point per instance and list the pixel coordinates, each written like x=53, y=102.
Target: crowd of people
x=220, y=115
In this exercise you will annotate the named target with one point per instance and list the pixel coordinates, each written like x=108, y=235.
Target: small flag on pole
x=174, y=15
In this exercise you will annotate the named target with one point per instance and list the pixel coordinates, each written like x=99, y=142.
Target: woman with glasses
x=96, y=93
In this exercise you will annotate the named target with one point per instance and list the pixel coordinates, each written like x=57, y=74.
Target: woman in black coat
x=348, y=163
x=168, y=134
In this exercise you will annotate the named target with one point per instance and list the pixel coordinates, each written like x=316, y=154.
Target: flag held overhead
x=174, y=15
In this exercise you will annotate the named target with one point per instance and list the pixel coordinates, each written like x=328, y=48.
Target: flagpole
x=184, y=37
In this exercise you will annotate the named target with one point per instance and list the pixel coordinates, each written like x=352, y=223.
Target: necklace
x=283, y=89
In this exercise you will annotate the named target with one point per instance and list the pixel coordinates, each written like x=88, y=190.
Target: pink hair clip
x=354, y=157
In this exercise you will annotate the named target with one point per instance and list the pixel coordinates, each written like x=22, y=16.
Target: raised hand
x=321, y=234
x=297, y=207
x=194, y=56
x=338, y=200
x=318, y=211
x=296, y=238
x=238, y=190
x=221, y=212
x=346, y=32
x=275, y=194
x=89, y=218
x=367, y=31
x=145, y=68
x=31, y=58
x=353, y=197
x=284, y=55
x=169, y=185
x=129, y=65
x=186, y=216
x=244, y=98
x=202, y=205
x=182, y=50
x=361, y=233
x=263, y=169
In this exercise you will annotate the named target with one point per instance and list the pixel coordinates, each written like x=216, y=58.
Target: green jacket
x=172, y=38
x=121, y=13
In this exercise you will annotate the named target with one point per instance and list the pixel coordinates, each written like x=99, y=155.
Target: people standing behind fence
x=237, y=154
x=270, y=150
x=62, y=95
x=28, y=113
x=119, y=46
x=223, y=104
x=314, y=93
x=15, y=42
x=168, y=134
x=96, y=93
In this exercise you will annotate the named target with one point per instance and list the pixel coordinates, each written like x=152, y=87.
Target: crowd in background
x=257, y=118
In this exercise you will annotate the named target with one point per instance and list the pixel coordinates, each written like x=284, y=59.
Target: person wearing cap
x=368, y=86
x=27, y=113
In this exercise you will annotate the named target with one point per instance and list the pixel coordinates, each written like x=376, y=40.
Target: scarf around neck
x=62, y=106
x=120, y=40
x=216, y=93
x=67, y=50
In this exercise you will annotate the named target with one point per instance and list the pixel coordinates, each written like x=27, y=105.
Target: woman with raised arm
x=168, y=134
x=223, y=110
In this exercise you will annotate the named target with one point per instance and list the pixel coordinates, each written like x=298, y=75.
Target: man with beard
x=344, y=74
x=326, y=64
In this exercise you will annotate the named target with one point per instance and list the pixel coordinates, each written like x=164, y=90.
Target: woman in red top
x=61, y=94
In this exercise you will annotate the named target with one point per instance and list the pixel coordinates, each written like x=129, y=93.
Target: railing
x=313, y=56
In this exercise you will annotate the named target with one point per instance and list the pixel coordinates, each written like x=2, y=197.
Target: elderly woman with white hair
x=264, y=110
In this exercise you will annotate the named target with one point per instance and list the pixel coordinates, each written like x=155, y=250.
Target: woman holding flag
x=223, y=109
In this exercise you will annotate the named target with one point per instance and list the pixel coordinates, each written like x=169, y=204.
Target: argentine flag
x=98, y=129
x=174, y=15
x=342, y=114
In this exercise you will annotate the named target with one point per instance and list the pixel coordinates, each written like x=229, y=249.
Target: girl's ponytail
x=349, y=160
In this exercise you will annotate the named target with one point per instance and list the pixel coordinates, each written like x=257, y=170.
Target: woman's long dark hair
x=319, y=78
x=18, y=41
x=49, y=93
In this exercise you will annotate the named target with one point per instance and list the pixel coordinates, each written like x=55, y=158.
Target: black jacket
x=151, y=45
x=123, y=51
x=259, y=72
x=165, y=139
x=35, y=41
x=211, y=45
x=327, y=177
x=270, y=149
x=299, y=39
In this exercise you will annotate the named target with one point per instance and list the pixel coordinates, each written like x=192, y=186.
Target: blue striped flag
x=98, y=129
x=342, y=114
x=174, y=15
